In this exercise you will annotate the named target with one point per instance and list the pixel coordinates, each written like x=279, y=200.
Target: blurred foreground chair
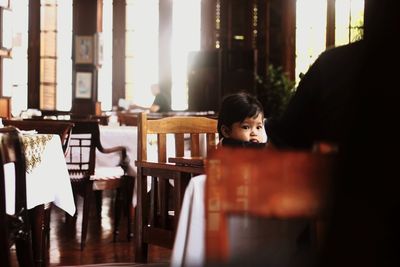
x=87, y=179
x=14, y=219
x=157, y=212
x=246, y=188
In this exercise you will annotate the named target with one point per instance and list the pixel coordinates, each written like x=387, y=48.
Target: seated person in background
x=160, y=103
x=241, y=121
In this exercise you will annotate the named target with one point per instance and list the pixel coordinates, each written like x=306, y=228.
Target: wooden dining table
x=47, y=181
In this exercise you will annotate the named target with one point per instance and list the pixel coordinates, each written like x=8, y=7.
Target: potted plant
x=274, y=91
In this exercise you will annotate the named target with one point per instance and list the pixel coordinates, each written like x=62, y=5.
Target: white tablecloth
x=47, y=182
x=111, y=136
x=189, y=245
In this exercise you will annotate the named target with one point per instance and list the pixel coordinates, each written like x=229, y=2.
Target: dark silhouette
x=160, y=103
x=350, y=97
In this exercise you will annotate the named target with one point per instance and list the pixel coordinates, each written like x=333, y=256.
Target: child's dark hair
x=236, y=108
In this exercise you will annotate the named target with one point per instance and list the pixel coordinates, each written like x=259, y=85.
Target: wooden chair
x=157, y=214
x=15, y=225
x=266, y=183
x=86, y=179
x=5, y=107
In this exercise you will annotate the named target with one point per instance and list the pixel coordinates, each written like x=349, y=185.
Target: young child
x=241, y=121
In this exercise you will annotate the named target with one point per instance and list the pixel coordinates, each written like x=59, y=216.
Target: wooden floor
x=65, y=241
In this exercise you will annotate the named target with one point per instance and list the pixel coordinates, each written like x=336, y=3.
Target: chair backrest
x=85, y=138
x=261, y=183
x=5, y=107
x=61, y=128
x=178, y=126
x=12, y=154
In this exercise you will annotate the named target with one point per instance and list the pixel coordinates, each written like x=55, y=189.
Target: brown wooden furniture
x=60, y=128
x=86, y=179
x=128, y=119
x=103, y=119
x=262, y=183
x=5, y=107
x=63, y=115
x=187, y=161
x=40, y=215
x=15, y=228
x=157, y=213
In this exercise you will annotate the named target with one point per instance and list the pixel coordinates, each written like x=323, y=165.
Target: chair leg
x=38, y=232
x=86, y=209
x=163, y=202
x=24, y=252
x=4, y=250
x=153, y=201
x=99, y=199
x=141, y=248
x=128, y=205
x=117, y=213
x=46, y=237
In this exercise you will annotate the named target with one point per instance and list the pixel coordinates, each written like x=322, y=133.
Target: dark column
x=330, y=24
x=34, y=55
x=87, y=22
x=118, y=69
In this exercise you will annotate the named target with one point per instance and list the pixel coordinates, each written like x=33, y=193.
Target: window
x=15, y=70
x=310, y=33
x=349, y=21
x=142, y=66
x=55, y=55
x=141, y=59
x=311, y=28
x=185, y=38
x=64, y=56
x=105, y=70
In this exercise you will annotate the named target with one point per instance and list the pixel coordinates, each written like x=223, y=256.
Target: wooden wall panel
x=87, y=20
x=34, y=54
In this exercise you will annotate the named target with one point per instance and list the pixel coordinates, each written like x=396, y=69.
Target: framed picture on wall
x=83, y=85
x=84, y=49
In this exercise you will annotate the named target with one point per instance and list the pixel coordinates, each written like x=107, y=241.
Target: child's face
x=250, y=130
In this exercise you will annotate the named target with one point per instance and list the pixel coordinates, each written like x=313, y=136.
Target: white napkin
x=30, y=132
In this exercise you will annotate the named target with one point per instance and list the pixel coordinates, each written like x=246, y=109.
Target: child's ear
x=226, y=131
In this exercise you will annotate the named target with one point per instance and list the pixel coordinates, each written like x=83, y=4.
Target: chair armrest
x=124, y=162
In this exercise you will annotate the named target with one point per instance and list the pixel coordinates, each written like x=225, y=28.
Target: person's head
x=241, y=117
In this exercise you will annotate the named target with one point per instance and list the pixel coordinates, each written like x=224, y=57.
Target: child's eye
x=245, y=127
x=259, y=127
